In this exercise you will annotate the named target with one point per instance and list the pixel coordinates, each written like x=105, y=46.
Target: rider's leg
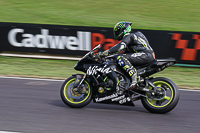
x=128, y=67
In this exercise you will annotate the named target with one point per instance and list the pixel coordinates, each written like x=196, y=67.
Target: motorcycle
x=105, y=82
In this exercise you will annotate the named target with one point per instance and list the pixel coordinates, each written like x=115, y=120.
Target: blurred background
x=178, y=15
x=172, y=15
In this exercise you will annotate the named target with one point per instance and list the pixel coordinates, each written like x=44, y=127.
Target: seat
x=166, y=60
x=144, y=65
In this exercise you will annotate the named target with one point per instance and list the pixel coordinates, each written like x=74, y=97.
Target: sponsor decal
x=106, y=98
x=93, y=70
x=98, y=38
x=118, y=98
x=184, y=46
x=124, y=100
x=135, y=37
x=84, y=41
x=137, y=54
x=44, y=40
x=100, y=89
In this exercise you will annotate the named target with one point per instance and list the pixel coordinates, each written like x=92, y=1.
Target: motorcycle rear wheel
x=74, y=99
x=167, y=102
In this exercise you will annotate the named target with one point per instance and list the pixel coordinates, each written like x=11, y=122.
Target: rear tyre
x=165, y=103
x=73, y=98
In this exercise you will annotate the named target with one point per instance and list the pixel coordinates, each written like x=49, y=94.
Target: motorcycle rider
x=136, y=50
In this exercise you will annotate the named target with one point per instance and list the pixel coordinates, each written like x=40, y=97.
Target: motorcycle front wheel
x=165, y=103
x=74, y=98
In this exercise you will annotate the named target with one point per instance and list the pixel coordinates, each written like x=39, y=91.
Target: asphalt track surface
x=34, y=106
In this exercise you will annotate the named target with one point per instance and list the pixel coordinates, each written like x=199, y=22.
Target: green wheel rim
x=166, y=100
x=71, y=100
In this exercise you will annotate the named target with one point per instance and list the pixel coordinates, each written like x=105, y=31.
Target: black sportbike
x=105, y=82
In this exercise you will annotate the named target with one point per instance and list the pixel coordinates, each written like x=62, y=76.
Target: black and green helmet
x=121, y=29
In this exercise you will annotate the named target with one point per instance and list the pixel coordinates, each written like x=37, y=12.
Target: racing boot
x=133, y=74
x=134, y=81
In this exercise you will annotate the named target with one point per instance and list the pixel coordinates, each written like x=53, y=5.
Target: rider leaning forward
x=136, y=50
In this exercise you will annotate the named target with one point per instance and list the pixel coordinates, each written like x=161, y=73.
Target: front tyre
x=73, y=98
x=165, y=103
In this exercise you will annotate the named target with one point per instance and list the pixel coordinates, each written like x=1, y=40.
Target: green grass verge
x=25, y=67
x=181, y=15
x=61, y=69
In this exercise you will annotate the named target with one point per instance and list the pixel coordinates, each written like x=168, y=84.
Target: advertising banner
x=76, y=41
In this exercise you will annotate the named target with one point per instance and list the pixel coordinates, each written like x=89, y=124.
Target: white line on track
x=9, y=132
x=63, y=80
x=39, y=56
x=4, y=77
x=189, y=90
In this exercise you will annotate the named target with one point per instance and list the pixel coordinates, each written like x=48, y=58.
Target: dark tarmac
x=34, y=106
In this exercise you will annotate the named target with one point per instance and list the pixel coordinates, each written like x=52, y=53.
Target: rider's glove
x=101, y=54
x=97, y=55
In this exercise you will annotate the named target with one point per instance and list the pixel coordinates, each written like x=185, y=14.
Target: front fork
x=77, y=84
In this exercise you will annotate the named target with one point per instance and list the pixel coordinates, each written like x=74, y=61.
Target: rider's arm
x=128, y=39
x=117, y=48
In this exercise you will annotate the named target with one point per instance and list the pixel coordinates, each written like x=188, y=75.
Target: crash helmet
x=121, y=28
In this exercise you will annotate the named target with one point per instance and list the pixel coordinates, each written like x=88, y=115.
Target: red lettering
x=97, y=39
x=111, y=43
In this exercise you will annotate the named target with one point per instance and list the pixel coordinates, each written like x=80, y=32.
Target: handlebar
x=97, y=47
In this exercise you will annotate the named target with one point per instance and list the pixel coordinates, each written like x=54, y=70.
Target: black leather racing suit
x=137, y=51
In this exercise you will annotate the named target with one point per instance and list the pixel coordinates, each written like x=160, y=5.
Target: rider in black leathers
x=135, y=47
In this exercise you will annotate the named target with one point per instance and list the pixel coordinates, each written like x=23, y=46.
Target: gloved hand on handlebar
x=97, y=55
x=100, y=54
